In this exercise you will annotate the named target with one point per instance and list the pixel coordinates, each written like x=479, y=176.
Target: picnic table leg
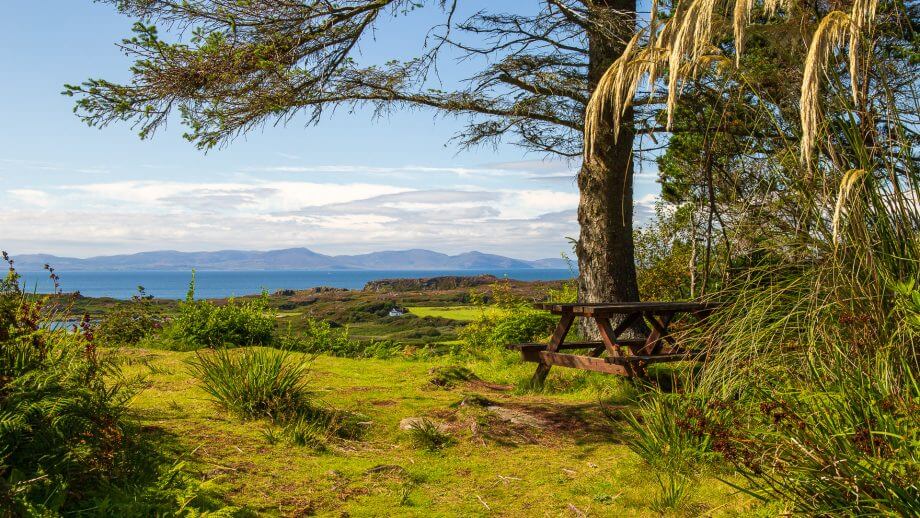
x=609, y=336
x=659, y=332
x=562, y=329
x=624, y=324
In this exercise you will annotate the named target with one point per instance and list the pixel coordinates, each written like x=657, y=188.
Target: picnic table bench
x=626, y=356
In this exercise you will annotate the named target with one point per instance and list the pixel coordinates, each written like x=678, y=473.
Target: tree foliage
x=244, y=64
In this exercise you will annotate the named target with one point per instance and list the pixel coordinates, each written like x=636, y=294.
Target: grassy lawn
x=465, y=313
x=516, y=454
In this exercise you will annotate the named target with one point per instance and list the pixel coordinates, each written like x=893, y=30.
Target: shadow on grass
x=672, y=377
x=153, y=479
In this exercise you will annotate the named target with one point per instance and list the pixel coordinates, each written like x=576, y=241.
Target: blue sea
x=214, y=284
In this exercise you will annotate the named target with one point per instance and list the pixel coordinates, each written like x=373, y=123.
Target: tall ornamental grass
x=821, y=350
x=817, y=346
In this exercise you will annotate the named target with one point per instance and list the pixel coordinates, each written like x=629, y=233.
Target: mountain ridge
x=283, y=259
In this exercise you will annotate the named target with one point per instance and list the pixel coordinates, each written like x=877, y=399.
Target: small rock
x=516, y=416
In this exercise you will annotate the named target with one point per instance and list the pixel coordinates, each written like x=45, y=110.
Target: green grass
x=464, y=313
x=576, y=461
x=427, y=435
x=255, y=382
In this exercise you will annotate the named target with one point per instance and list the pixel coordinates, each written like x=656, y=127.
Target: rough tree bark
x=605, y=212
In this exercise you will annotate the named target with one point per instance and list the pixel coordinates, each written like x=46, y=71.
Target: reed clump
x=816, y=350
x=271, y=384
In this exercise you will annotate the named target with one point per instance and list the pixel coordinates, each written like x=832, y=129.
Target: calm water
x=173, y=285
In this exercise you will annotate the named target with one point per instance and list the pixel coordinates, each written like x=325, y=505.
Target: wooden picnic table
x=625, y=355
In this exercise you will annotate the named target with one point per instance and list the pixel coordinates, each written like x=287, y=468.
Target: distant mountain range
x=289, y=259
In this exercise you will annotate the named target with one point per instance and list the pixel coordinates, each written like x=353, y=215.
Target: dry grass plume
x=685, y=45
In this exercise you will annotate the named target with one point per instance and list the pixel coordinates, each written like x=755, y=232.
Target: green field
x=515, y=455
x=464, y=313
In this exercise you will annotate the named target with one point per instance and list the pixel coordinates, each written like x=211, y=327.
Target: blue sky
x=352, y=184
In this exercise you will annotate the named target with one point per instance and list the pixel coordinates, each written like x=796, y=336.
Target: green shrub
x=522, y=326
x=61, y=429
x=497, y=327
x=826, y=376
x=315, y=426
x=319, y=337
x=304, y=431
x=130, y=322
x=385, y=349
x=681, y=438
x=853, y=448
x=567, y=293
x=370, y=311
x=674, y=433
x=663, y=249
x=65, y=444
x=676, y=492
x=820, y=351
x=201, y=323
x=506, y=318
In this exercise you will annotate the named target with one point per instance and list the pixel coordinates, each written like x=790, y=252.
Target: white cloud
x=645, y=208
x=648, y=200
x=31, y=197
x=337, y=218
x=540, y=166
x=216, y=197
x=532, y=203
x=135, y=215
x=114, y=232
x=400, y=170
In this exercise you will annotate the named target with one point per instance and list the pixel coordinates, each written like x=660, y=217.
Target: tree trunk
x=606, y=262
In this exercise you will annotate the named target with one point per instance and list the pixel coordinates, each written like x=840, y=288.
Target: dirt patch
x=517, y=416
x=583, y=422
x=485, y=385
x=511, y=423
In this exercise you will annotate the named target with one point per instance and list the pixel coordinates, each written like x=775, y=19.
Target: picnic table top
x=604, y=308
